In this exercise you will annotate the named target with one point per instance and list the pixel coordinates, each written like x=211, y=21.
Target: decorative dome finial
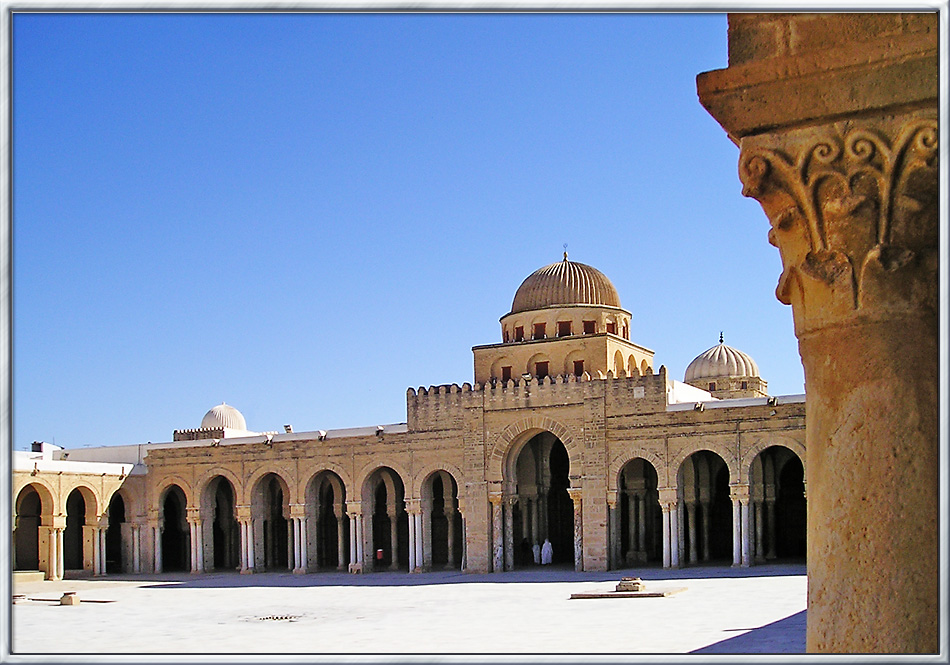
x=720, y=337
x=565, y=251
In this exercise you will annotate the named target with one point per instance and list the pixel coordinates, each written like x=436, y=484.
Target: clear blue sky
x=305, y=214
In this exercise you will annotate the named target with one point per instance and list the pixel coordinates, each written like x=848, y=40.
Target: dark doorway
x=114, y=558
x=560, y=506
x=27, y=547
x=790, y=510
x=72, y=535
x=224, y=531
x=275, y=525
x=175, y=538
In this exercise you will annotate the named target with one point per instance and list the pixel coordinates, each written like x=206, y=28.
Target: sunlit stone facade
x=567, y=434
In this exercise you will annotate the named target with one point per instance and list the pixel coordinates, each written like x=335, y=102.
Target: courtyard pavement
x=439, y=616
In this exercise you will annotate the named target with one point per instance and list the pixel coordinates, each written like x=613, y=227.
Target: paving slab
x=449, y=614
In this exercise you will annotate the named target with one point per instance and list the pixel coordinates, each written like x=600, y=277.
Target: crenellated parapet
x=440, y=406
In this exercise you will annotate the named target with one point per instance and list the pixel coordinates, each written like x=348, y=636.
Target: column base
x=247, y=571
x=300, y=571
x=356, y=568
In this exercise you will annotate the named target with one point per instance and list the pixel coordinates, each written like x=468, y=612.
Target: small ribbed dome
x=565, y=283
x=223, y=415
x=720, y=361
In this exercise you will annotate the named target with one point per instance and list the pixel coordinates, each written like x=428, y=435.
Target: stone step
x=28, y=576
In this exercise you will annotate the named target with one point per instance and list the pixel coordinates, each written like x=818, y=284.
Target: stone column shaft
x=746, y=535
x=340, y=543
x=509, y=533
x=736, y=533
x=498, y=543
x=691, y=518
x=839, y=142
x=136, y=548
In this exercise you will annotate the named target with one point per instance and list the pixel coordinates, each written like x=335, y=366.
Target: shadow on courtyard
x=554, y=573
x=783, y=636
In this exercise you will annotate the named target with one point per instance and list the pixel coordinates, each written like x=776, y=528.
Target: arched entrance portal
x=705, y=513
x=388, y=521
x=777, y=491
x=115, y=559
x=640, y=517
x=442, y=522
x=26, y=534
x=270, y=510
x=220, y=526
x=328, y=529
x=176, y=539
x=538, y=506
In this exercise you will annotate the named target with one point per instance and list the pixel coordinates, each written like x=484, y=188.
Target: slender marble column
x=102, y=550
x=96, y=552
x=394, y=540
x=199, y=548
x=354, y=530
x=667, y=541
x=51, y=566
x=736, y=533
x=536, y=520
x=631, y=525
x=136, y=548
x=360, y=547
x=341, y=560
x=691, y=518
x=770, y=527
x=193, y=541
x=498, y=547
x=303, y=545
x=60, y=552
x=509, y=507
x=420, y=541
x=613, y=522
x=576, y=497
x=157, y=546
x=704, y=507
x=412, y=542
x=759, y=532
x=746, y=533
x=642, y=525
x=675, y=526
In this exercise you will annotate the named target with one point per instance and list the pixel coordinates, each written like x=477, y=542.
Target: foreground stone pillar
x=835, y=116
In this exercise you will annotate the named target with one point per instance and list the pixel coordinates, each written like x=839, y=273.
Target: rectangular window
x=506, y=374
x=712, y=387
x=541, y=369
x=538, y=331
x=745, y=385
x=519, y=334
x=563, y=328
x=578, y=367
x=612, y=327
x=590, y=327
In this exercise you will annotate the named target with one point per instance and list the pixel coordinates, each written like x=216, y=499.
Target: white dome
x=224, y=415
x=721, y=361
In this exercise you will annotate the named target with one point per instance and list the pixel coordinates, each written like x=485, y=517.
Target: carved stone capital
x=853, y=207
x=495, y=498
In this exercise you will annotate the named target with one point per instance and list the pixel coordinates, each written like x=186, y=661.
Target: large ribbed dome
x=225, y=416
x=720, y=361
x=565, y=283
